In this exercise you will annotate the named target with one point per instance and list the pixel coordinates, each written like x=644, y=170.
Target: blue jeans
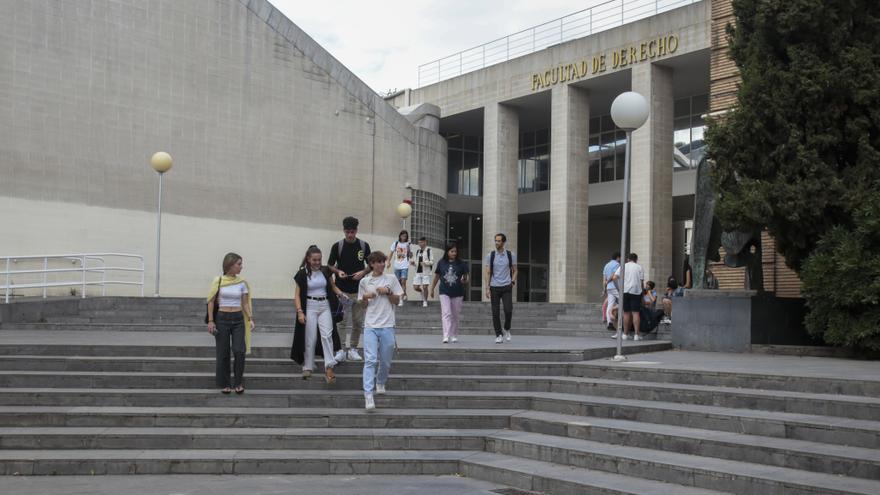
x=401, y=273
x=378, y=351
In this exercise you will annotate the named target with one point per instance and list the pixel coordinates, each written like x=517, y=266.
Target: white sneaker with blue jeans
x=378, y=352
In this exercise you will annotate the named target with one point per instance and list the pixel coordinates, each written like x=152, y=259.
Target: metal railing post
x=622, y=15
x=84, y=277
x=7, y=280
x=459, y=62
x=484, y=56
x=45, y=272
x=560, y=29
x=591, y=21
x=508, y=44
x=656, y=6
x=142, y=276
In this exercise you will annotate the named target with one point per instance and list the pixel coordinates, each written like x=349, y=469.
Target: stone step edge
x=479, y=465
x=665, y=386
x=663, y=465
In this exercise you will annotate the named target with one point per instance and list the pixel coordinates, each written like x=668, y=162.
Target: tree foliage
x=800, y=152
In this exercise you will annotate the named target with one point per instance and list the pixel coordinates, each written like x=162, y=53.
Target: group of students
x=639, y=304
x=353, y=283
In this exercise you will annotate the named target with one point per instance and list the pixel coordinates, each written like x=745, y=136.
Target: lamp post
x=629, y=112
x=404, y=209
x=161, y=163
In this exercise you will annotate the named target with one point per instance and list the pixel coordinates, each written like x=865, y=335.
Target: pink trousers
x=450, y=309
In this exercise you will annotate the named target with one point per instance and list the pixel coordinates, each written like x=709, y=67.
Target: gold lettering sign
x=597, y=64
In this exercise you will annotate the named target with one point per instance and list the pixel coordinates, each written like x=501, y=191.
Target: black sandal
x=239, y=390
x=226, y=391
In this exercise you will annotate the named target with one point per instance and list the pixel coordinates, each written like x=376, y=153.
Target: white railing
x=88, y=263
x=601, y=17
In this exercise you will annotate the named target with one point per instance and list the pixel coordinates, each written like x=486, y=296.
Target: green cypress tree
x=800, y=151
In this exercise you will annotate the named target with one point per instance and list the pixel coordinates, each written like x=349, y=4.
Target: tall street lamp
x=629, y=112
x=161, y=163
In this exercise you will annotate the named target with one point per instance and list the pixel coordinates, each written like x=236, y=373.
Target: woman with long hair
x=231, y=296
x=401, y=252
x=453, y=275
x=317, y=312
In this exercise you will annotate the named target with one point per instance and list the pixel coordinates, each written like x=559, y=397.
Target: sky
x=384, y=43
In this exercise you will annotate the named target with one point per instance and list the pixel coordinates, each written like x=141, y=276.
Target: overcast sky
x=384, y=43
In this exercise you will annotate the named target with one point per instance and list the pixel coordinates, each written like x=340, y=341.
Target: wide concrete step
x=429, y=328
x=821, y=429
x=812, y=428
x=671, y=467
x=253, y=417
x=451, y=352
x=349, y=378
x=741, y=379
x=243, y=438
x=512, y=471
x=796, y=454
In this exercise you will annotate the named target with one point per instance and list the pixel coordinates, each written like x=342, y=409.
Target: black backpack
x=492, y=263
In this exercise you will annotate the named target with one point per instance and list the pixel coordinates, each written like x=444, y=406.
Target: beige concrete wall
x=270, y=134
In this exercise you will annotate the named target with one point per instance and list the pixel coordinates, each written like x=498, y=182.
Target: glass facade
x=607, y=150
x=467, y=231
x=690, y=147
x=534, y=161
x=465, y=165
x=533, y=257
x=608, y=143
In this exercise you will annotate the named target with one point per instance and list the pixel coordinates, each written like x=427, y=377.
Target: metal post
x=484, y=56
x=459, y=63
x=7, y=280
x=591, y=21
x=560, y=30
x=45, y=267
x=624, y=224
x=84, y=277
x=158, y=235
x=621, y=12
x=656, y=6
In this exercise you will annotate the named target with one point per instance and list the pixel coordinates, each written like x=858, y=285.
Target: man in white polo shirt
x=633, y=285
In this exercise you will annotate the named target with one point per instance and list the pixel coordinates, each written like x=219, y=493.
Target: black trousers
x=497, y=296
x=230, y=340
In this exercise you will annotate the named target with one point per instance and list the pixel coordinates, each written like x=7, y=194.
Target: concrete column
x=651, y=193
x=500, y=176
x=569, y=184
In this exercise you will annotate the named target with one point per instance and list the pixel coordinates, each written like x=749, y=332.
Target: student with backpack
x=347, y=261
x=423, y=262
x=501, y=277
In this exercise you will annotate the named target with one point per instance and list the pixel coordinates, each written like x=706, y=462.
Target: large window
x=607, y=150
x=465, y=165
x=534, y=161
x=690, y=147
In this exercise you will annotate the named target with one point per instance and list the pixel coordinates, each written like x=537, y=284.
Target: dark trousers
x=499, y=295
x=230, y=340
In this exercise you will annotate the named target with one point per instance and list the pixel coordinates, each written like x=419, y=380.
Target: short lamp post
x=161, y=163
x=404, y=209
x=629, y=112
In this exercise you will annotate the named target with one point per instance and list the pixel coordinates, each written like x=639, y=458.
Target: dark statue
x=743, y=249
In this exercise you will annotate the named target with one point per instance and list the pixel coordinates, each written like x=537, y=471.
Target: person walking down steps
x=501, y=277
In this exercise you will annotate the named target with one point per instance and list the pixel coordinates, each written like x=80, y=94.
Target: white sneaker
x=369, y=403
x=380, y=389
x=454, y=339
x=506, y=335
x=401, y=302
x=637, y=337
x=445, y=340
x=340, y=356
x=626, y=336
x=616, y=336
x=353, y=355
x=499, y=340
x=424, y=304
x=666, y=321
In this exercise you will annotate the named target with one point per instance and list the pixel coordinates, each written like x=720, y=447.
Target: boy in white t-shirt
x=378, y=293
x=424, y=263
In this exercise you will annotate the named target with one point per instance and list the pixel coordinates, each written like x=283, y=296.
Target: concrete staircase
x=176, y=314
x=547, y=420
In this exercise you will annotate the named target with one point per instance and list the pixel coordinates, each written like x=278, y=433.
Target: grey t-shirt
x=501, y=270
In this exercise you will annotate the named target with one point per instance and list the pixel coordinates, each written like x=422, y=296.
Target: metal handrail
x=601, y=17
x=83, y=259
